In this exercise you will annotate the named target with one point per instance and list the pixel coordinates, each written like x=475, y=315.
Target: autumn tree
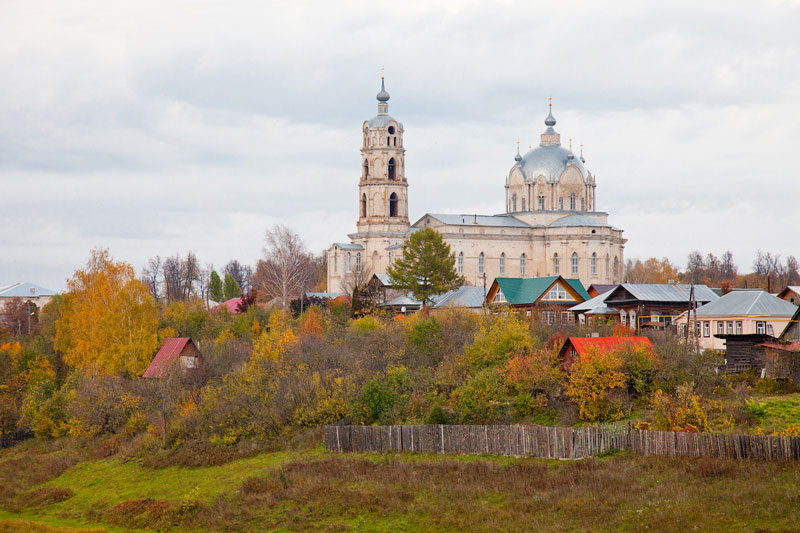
x=109, y=320
x=426, y=267
x=287, y=269
x=19, y=316
x=215, y=287
x=651, y=271
x=593, y=380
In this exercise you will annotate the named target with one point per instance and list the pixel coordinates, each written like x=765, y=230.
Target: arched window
x=502, y=263
x=522, y=265
x=358, y=262
x=583, y=206
x=366, y=168
x=594, y=264
x=347, y=260
x=480, y=263
x=555, y=263
x=561, y=203
x=572, y=202
x=335, y=262
x=388, y=141
x=460, y=262
x=363, y=205
x=514, y=203
x=393, y=205
x=523, y=204
x=391, y=130
x=395, y=141
x=541, y=203
x=616, y=268
x=574, y=262
x=391, y=168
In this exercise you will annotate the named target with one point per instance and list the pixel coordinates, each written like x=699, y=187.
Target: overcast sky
x=162, y=127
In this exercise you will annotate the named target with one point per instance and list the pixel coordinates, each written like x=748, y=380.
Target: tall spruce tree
x=215, y=291
x=232, y=289
x=426, y=268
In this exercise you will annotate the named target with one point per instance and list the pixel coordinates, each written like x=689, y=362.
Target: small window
x=720, y=327
x=738, y=327
x=729, y=327
x=502, y=263
x=460, y=262
x=394, y=140
x=388, y=141
x=480, y=263
x=574, y=263
x=697, y=329
x=499, y=298
x=358, y=262
x=522, y=265
x=366, y=168
x=514, y=203
x=572, y=202
x=347, y=261
x=761, y=327
x=363, y=205
x=561, y=203
x=594, y=264
x=770, y=331
x=557, y=293
x=541, y=203
x=335, y=262
x=555, y=264
x=583, y=204
x=567, y=317
x=390, y=258
x=391, y=130
x=391, y=169
x=393, y=205
x=616, y=268
x=523, y=204
x=706, y=329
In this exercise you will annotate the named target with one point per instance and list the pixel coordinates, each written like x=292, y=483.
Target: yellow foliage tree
x=273, y=342
x=109, y=321
x=592, y=378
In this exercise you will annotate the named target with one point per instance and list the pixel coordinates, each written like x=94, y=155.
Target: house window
x=720, y=327
x=770, y=331
x=480, y=263
x=572, y=202
x=729, y=327
x=761, y=327
x=738, y=327
x=697, y=329
x=655, y=316
x=557, y=293
x=347, y=259
x=394, y=139
x=502, y=263
x=574, y=263
x=522, y=265
x=706, y=329
x=561, y=203
x=460, y=262
x=555, y=263
x=548, y=317
x=393, y=205
x=541, y=203
x=499, y=298
x=567, y=317
x=358, y=262
x=391, y=168
x=363, y=205
x=594, y=264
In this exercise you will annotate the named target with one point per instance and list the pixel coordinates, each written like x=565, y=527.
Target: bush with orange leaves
x=682, y=411
x=596, y=385
x=534, y=373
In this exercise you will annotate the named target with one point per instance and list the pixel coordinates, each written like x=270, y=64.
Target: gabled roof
x=169, y=352
x=582, y=344
x=747, y=303
x=521, y=291
x=383, y=278
x=25, y=290
x=663, y=292
x=477, y=220
x=600, y=287
x=791, y=288
x=229, y=305
x=595, y=305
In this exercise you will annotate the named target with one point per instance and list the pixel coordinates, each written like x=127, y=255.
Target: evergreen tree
x=232, y=289
x=215, y=287
x=426, y=268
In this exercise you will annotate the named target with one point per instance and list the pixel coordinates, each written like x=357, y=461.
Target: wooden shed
x=745, y=352
x=176, y=352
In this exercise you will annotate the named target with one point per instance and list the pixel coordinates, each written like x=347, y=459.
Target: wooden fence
x=556, y=442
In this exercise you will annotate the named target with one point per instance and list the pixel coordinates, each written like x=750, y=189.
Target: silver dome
x=549, y=161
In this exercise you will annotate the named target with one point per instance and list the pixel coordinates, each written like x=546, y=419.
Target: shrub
x=592, y=381
x=681, y=412
x=481, y=399
x=756, y=409
x=437, y=415
x=499, y=338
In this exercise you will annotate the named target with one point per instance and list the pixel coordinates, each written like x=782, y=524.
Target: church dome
x=550, y=161
x=382, y=96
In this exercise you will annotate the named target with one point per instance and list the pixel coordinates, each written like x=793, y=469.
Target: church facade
x=550, y=225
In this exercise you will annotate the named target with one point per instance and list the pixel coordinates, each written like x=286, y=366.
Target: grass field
x=313, y=490
x=782, y=411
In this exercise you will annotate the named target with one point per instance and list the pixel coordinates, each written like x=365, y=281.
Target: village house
x=595, y=311
x=782, y=357
x=652, y=305
x=596, y=289
x=791, y=294
x=549, y=297
x=738, y=313
x=178, y=353
x=26, y=291
x=580, y=346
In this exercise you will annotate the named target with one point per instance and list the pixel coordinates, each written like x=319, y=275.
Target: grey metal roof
x=602, y=310
x=577, y=220
x=381, y=121
x=676, y=292
x=25, y=290
x=404, y=299
x=478, y=220
x=326, y=295
x=464, y=296
x=383, y=278
x=348, y=246
x=395, y=246
x=739, y=303
x=593, y=303
x=549, y=161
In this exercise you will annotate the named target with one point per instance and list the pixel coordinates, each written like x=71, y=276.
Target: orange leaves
x=592, y=380
x=108, y=320
x=681, y=412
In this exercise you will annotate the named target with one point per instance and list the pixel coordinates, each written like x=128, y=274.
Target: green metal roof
x=520, y=291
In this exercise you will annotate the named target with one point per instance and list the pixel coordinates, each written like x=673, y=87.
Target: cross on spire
x=550, y=102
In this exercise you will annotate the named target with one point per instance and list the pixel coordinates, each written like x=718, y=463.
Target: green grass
x=782, y=411
x=313, y=490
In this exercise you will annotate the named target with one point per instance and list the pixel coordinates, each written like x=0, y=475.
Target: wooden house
x=791, y=294
x=782, y=358
x=596, y=289
x=575, y=347
x=548, y=298
x=746, y=351
x=652, y=305
x=179, y=353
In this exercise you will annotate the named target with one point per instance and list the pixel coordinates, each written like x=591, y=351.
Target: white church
x=551, y=224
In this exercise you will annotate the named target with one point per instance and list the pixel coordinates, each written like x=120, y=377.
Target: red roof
x=791, y=347
x=169, y=352
x=230, y=305
x=582, y=344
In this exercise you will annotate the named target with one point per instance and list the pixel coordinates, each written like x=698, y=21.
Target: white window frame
x=738, y=327
x=706, y=328
x=556, y=265
x=460, y=262
x=522, y=266
x=502, y=263
x=481, y=263
x=575, y=263
x=761, y=327
x=348, y=262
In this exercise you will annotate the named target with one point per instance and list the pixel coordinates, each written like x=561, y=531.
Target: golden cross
x=570, y=144
x=381, y=72
x=550, y=102
x=517, y=145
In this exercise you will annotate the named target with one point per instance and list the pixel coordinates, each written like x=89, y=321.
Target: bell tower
x=382, y=189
